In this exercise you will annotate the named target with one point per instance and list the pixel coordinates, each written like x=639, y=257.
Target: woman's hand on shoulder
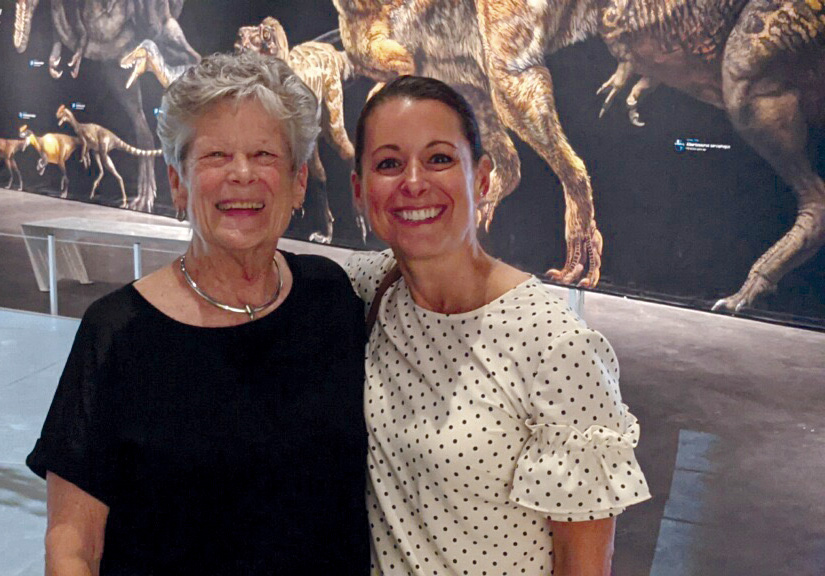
x=76, y=525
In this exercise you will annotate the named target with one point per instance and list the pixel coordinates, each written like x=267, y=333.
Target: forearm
x=75, y=530
x=65, y=555
x=583, y=548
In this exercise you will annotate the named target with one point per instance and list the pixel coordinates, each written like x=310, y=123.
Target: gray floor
x=732, y=414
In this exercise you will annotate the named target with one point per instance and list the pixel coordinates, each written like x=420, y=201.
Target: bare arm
x=583, y=548
x=74, y=535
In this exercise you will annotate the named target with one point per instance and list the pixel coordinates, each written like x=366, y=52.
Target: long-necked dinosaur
x=53, y=149
x=322, y=68
x=8, y=148
x=105, y=30
x=100, y=141
x=763, y=61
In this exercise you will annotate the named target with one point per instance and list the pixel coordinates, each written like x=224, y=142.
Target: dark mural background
x=682, y=228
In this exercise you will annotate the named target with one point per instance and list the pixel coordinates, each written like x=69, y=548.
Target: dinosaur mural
x=8, y=149
x=100, y=141
x=105, y=30
x=322, y=68
x=762, y=61
x=53, y=149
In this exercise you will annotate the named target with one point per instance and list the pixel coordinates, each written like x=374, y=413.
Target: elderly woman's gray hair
x=238, y=76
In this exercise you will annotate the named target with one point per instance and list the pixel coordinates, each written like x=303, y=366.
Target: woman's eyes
x=439, y=160
x=260, y=156
x=387, y=164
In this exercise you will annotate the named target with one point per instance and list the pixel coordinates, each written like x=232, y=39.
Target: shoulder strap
x=392, y=275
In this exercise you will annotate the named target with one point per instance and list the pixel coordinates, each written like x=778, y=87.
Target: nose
x=240, y=169
x=415, y=182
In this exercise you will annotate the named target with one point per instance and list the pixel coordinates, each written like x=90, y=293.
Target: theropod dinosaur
x=105, y=30
x=53, y=149
x=440, y=39
x=761, y=60
x=8, y=148
x=101, y=141
x=322, y=68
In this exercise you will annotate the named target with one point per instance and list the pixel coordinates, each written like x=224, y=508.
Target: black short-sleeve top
x=237, y=450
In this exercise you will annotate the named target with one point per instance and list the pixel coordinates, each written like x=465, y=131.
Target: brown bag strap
x=391, y=276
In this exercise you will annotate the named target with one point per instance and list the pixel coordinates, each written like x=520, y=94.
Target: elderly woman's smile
x=239, y=184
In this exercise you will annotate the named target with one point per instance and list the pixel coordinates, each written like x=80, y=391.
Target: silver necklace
x=250, y=310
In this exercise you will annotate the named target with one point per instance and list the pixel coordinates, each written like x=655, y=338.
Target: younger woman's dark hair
x=420, y=88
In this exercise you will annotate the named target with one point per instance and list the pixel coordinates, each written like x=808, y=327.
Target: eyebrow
x=397, y=148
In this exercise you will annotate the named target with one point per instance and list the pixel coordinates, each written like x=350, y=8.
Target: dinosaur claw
x=319, y=238
x=132, y=77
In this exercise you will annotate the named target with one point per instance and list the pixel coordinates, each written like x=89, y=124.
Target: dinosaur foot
x=584, y=251
x=754, y=287
x=320, y=238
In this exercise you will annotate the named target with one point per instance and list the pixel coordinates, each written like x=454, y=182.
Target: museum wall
x=684, y=204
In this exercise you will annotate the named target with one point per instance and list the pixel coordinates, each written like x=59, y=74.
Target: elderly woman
x=209, y=418
x=499, y=444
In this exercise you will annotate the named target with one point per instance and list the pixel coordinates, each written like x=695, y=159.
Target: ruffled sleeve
x=578, y=462
x=366, y=270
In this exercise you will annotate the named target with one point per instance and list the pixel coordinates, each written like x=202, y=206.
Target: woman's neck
x=233, y=278
x=455, y=283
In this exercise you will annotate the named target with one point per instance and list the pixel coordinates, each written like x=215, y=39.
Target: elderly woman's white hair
x=238, y=76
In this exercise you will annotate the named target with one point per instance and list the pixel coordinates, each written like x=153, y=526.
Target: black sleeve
x=75, y=442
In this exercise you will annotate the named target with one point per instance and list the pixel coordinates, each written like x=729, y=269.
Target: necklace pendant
x=250, y=311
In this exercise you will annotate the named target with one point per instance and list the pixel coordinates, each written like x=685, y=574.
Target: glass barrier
x=48, y=274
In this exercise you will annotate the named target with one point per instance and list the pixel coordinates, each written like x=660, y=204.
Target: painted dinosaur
x=322, y=68
x=100, y=141
x=762, y=61
x=105, y=30
x=53, y=149
x=436, y=38
x=147, y=57
x=8, y=148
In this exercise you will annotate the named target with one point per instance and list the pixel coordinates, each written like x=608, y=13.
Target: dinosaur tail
x=121, y=145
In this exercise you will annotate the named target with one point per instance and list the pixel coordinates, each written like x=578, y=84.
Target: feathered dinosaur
x=8, y=148
x=53, y=149
x=322, y=68
x=100, y=141
x=763, y=61
x=105, y=30
x=436, y=38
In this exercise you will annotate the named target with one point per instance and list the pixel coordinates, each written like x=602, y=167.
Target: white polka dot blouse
x=483, y=425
